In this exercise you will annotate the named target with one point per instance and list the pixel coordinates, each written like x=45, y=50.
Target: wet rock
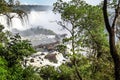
x=51, y=58
x=31, y=60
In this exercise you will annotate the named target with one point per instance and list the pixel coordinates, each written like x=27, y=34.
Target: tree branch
x=106, y=16
x=60, y=23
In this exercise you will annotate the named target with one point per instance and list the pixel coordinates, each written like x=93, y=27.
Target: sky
x=50, y=2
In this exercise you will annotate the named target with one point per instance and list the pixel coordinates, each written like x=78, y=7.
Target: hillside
x=33, y=31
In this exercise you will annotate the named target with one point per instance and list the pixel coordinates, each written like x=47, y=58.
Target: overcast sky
x=50, y=2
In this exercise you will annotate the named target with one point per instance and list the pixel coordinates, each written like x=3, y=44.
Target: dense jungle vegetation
x=90, y=29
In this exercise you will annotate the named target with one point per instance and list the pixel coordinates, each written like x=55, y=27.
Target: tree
x=71, y=13
x=86, y=27
x=111, y=31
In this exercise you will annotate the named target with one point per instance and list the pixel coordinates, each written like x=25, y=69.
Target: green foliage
x=48, y=72
x=18, y=73
x=3, y=69
x=3, y=38
x=61, y=48
x=30, y=73
x=4, y=7
x=87, y=32
x=67, y=73
x=15, y=72
x=12, y=54
x=12, y=51
x=21, y=47
x=89, y=70
x=15, y=49
x=62, y=73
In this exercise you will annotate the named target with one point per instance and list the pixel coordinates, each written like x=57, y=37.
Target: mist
x=43, y=19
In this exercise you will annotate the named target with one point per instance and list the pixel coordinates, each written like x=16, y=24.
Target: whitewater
x=44, y=19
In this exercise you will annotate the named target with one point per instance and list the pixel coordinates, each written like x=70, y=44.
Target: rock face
x=40, y=59
x=51, y=57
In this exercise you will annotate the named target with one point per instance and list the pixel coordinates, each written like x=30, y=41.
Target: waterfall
x=44, y=18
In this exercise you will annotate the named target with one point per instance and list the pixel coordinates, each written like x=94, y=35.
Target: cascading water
x=39, y=18
x=36, y=17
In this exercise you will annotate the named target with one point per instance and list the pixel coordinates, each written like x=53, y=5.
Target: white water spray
x=44, y=19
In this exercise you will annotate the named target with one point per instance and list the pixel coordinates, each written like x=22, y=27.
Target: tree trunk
x=73, y=51
x=111, y=31
x=114, y=54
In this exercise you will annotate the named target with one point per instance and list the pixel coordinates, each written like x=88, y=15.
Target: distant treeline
x=34, y=31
